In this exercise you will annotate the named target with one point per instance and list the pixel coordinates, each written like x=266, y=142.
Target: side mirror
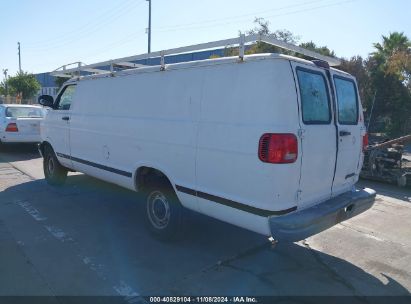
x=46, y=100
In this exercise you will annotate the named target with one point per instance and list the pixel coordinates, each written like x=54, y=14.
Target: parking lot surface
x=88, y=238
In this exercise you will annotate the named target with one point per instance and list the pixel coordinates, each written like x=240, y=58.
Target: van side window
x=347, y=101
x=315, y=102
x=64, y=99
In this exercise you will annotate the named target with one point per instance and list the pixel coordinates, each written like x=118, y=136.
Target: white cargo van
x=270, y=143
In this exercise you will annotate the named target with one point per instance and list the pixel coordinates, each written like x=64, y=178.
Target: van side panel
x=145, y=119
x=240, y=103
x=201, y=127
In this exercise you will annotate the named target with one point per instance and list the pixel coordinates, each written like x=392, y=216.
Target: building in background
x=48, y=84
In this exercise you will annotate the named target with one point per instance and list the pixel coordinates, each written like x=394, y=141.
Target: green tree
x=262, y=27
x=356, y=66
x=323, y=50
x=389, y=70
x=2, y=89
x=23, y=83
x=391, y=44
x=399, y=64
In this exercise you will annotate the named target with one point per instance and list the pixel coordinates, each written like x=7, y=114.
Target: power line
x=126, y=40
x=101, y=50
x=61, y=42
x=85, y=32
x=288, y=13
x=247, y=19
x=118, y=13
x=90, y=23
x=114, y=45
x=239, y=16
x=313, y=8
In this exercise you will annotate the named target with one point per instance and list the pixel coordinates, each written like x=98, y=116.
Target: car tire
x=164, y=214
x=54, y=172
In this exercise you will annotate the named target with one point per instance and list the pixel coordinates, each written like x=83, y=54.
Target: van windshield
x=17, y=112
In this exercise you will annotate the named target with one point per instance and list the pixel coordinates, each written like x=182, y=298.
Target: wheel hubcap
x=158, y=210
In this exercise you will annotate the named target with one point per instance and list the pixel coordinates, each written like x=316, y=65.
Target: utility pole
x=18, y=46
x=149, y=26
x=5, y=81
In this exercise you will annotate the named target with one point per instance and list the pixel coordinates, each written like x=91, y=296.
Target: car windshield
x=16, y=112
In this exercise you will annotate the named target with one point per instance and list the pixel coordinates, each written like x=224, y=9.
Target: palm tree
x=392, y=44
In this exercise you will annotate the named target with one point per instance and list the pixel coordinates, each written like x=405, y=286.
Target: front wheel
x=164, y=213
x=54, y=172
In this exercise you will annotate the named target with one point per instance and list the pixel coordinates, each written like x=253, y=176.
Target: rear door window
x=315, y=101
x=347, y=101
x=17, y=112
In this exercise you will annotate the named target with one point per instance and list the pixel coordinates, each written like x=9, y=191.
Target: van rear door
x=317, y=135
x=350, y=132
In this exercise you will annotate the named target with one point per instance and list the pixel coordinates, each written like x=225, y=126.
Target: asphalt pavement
x=88, y=238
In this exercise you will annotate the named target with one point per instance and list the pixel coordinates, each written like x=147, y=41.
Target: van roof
x=198, y=63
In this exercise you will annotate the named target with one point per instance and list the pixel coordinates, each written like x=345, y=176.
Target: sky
x=53, y=33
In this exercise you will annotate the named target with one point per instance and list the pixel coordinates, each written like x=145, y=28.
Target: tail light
x=12, y=127
x=365, y=141
x=278, y=148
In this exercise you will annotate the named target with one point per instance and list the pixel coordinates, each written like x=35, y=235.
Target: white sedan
x=20, y=123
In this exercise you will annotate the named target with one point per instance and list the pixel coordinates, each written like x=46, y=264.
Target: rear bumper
x=299, y=225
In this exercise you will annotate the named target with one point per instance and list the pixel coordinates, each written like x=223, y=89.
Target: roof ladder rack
x=129, y=62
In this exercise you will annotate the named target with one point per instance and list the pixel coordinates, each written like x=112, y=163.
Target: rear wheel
x=54, y=172
x=164, y=213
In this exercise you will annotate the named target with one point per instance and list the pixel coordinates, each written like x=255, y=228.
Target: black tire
x=164, y=214
x=54, y=172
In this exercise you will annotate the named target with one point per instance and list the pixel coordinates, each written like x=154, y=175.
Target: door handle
x=66, y=118
x=345, y=133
